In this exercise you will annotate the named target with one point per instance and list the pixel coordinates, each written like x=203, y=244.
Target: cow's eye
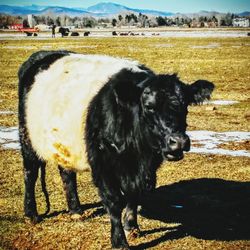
x=146, y=91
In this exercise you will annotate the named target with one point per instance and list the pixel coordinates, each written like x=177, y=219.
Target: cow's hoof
x=78, y=211
x=32, y=219
x=124, y=247
x=132, y=234
x=75, y=216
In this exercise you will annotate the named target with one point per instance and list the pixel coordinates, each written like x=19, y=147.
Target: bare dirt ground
x=201, y=202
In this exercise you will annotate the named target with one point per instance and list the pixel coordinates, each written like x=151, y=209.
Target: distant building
x=31, y=21
x=241, y=22
x=70, y=27
x=42, y=27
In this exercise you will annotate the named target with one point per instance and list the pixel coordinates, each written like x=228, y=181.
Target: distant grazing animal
x=124, y=33
x=30, y=33
x=126, y=118
x=74, y=33
x=114, y=33
x=86, y=33
x=63, y=31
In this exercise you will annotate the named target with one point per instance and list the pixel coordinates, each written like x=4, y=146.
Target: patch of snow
x=49, y=47
x=219, y=151
x=9, y=138
x=18, y=47
x=202, y=33
x=78, y=46
x=3, y=112
x=221, y=102
x=209, y=46
x=166, y=45
x=46, y=47
x=208, y=141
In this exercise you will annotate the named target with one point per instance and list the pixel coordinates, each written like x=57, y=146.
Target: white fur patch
x=57, y=102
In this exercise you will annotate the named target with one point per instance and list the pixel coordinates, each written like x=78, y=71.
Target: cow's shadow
x=205, y=208
x=92, y=209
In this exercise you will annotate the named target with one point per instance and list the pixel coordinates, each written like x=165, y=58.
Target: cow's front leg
x=118, y=238
x=70, y=187
x=130, y=220
x=113, y=203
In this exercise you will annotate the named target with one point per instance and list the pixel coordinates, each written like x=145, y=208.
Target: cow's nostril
x=173, y=143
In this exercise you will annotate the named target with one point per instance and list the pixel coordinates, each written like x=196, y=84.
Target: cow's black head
x=163, y=106
x=164, y=103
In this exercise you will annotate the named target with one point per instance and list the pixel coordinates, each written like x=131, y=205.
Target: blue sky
x=163, y=5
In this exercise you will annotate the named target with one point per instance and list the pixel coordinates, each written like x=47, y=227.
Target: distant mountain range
x=112, y=8
x=103, y=9
x=98, y=10
x=245, y=13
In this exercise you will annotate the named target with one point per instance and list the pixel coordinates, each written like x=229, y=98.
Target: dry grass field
x=201, y=202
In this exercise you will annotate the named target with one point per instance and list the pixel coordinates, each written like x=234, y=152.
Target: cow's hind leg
x=70, y=187
x=31, y=167
x=130, y=220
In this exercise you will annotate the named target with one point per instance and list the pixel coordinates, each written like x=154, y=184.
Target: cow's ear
x=126, y=92
x=199, y=91
x=128, y=86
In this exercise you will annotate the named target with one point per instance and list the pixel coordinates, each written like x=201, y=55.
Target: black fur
x=134, y=122
x=199, y=91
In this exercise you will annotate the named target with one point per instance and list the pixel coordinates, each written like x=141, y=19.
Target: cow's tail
x=44, y=189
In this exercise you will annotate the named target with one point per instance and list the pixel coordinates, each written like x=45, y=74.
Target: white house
x=31, y=21
x=241, y=22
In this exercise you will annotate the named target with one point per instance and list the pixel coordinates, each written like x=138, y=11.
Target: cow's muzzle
x=176, y=144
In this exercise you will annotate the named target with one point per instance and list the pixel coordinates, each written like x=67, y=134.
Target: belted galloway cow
x=116, y=113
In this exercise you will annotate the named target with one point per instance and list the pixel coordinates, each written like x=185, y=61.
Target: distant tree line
x=6, y=20
x=132, y=19
x=220, y=20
